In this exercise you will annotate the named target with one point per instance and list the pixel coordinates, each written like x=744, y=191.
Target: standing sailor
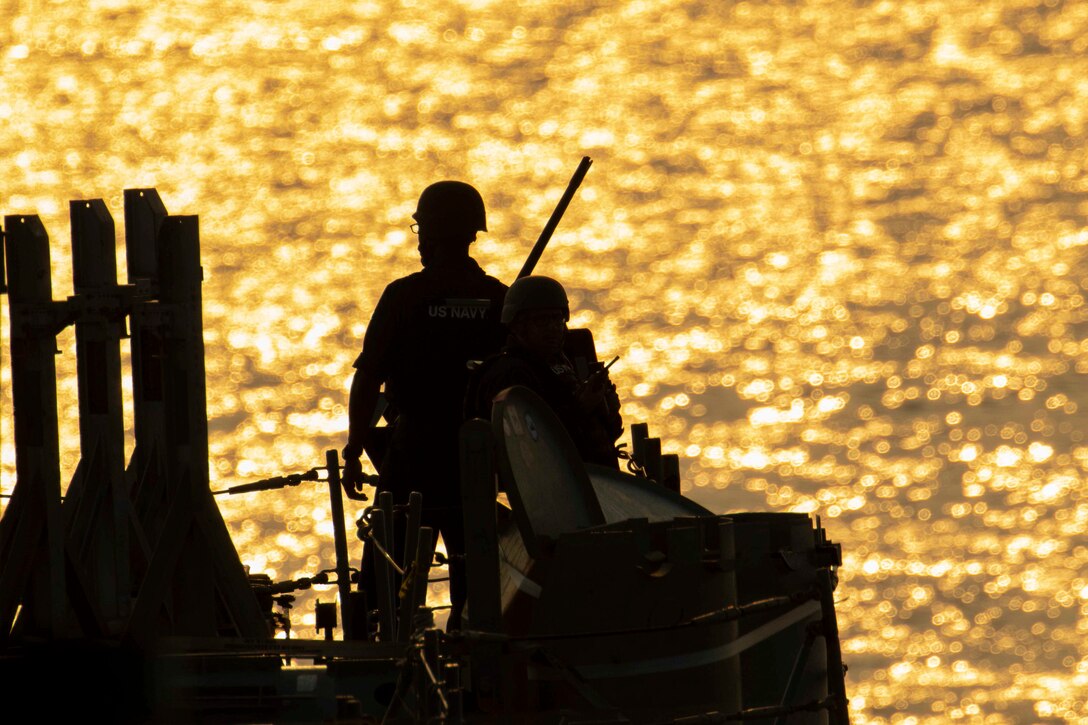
x=536, y=312
x=424, y=330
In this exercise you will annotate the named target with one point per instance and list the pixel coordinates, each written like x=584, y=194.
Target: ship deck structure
x=595, y=595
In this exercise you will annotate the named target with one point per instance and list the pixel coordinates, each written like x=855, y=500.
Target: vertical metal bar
x=3, y=273
x=184, y=442
x=340, y=537
x=411, y=529
x=652, y=460
x=432, y=657
x=383, y=579
x=192, y=510
x=388, y=539
x=144, y=216
x=180, y=279
x=411, y=566
x=34, y=511
x=481, y=537
x=478, y=492
x=97, y=505
x=451, y=675
x=639, y=433
x=416, y=595
x=185, y=396
x=670, y=471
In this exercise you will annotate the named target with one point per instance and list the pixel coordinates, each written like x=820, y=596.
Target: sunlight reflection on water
x=840, y=250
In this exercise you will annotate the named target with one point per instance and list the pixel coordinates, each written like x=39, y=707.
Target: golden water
x=840, y=248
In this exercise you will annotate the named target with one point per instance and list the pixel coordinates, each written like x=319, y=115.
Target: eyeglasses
x=414, y=228
x=545, y=318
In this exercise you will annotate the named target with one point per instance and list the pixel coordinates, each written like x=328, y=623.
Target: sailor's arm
x=362, y=401
x=371, y=368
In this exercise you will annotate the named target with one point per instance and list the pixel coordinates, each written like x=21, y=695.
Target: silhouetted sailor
x=536, y=312
x=424, y=330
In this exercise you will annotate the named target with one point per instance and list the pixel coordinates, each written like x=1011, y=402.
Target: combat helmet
x=452, y=205
x=534, y=293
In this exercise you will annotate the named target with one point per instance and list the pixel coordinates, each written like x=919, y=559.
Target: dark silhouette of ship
x=594, y=595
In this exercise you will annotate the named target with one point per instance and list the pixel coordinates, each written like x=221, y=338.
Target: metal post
x=144, y=215
x=388, y=539
x=194, y=558
x=478, y=493
x=31, y=532
x=434, y=690
x=97, y=507
x=411, y=529
x=416, y=594
x=383, y=579
x=670, y=471
x=180, y=278
x=412, y=563
x=639, y=433
x=451, y=675
x=340, y=537
x=652, y=461
x=481, y=538
x=146, y=474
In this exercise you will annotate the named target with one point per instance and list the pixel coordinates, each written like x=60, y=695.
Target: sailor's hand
x=603, y=401
x=352, y=475
x=591, y=393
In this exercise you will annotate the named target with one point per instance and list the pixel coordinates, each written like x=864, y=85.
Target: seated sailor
x=535, y=312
